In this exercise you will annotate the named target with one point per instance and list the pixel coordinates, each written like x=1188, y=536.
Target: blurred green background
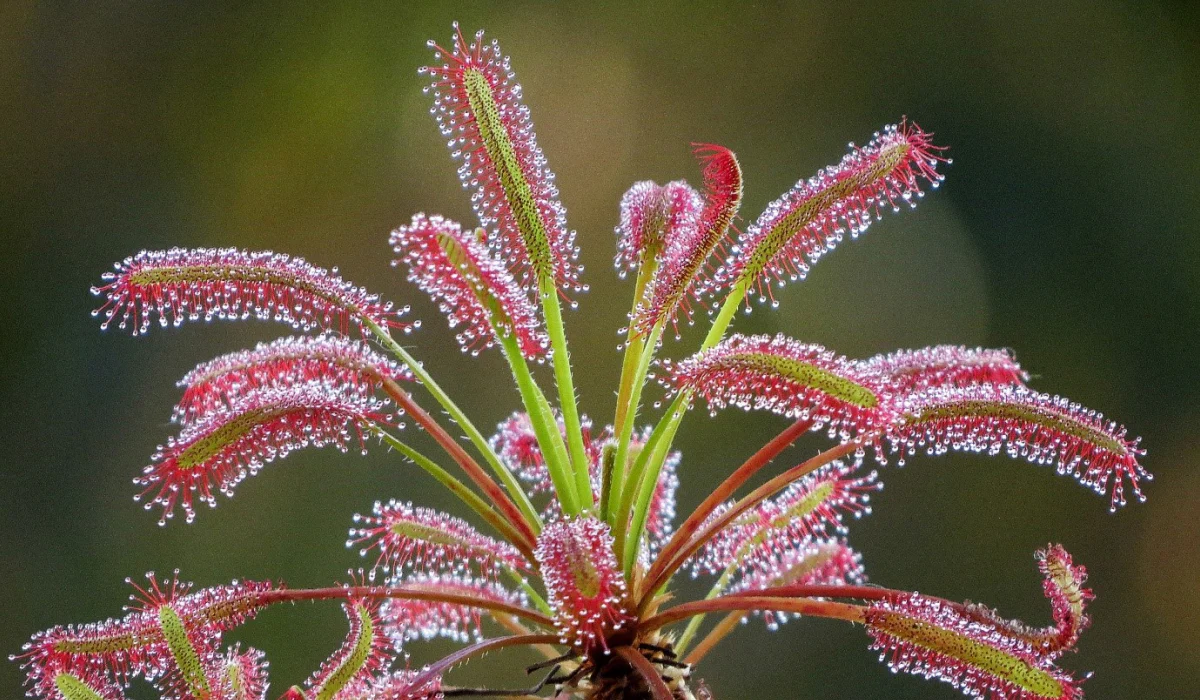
x=1068, y=230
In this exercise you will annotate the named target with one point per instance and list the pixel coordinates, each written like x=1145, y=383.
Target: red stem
x=437, y=668
x=731, y=484
x=643, y=667
x=727, y=625
x=1035, y=636
x=661, y=572
x=285, y=595
x=804, y=606
x=464, y=460
x=1044, y=635
x=714, y=637
x=876, y=593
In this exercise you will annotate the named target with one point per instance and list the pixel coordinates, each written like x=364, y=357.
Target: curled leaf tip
x=686, y=254
x=1063, y=585
x=933, y=639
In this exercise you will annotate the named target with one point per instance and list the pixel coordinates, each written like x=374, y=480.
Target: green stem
x=473, y=434
x=608, y=454
x=458, y=488
x=626, y=410
x=644, y=476
x=725, y=316
x=464, y=460
x=554, y=450
x=538, y=601
x=566, y=390
x=641, y=475
x=646, y=484
x=629, y=365
x=649, y=347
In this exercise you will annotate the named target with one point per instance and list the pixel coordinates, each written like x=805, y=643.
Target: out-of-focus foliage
x=1069, y=230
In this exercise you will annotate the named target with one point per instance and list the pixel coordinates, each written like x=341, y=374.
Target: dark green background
x=1067, y=230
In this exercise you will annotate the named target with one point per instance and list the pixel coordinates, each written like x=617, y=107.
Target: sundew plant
x=567, y=564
